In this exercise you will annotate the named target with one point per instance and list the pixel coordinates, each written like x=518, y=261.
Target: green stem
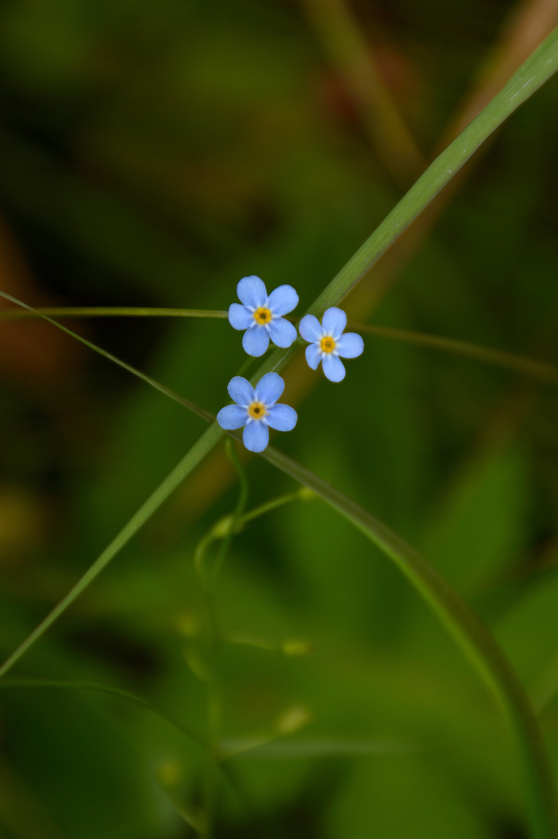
x=239, y=509
x=108, y=312
x=526, y=366
x=268, y=506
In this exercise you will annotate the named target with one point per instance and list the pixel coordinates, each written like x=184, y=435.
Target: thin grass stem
x=498, y=358
x=239, y=509
x=123, y=694
x=108, y=312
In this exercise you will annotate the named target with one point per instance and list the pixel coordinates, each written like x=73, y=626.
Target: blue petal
x=282, y=333
x=231, y=417
x=255, y=341
x=313, y=355
x=333, y=367
x=310, y=328
x=251, y=291
x=349, y=345
x=240, y=390
x=282, y=417
x=334, y=321
x=239, y=316
x=269, y=388
x=283, y=300
x=255, y=436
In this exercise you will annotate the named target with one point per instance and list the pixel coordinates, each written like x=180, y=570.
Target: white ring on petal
x=255, y=341
x=350, y=345
x=311, y=329
x=282, y=333
x=252, y=291
x=241, y=391
x=313, y=355
x=334, y=322
x=282, y=417
x=240, y=317
x=255, y=436
x=232, y=417
x=283, y=300
x=269, y=388
x=333, y=368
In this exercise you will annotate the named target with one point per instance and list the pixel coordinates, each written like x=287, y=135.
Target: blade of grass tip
x=123, y=694
x=109, y=312
x=468, y=631
x=498, y=358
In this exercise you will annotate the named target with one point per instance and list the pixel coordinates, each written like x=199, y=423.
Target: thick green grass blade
x=533, y=73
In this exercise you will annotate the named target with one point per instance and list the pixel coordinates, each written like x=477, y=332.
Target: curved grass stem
x=469, y=632
x=123, y=694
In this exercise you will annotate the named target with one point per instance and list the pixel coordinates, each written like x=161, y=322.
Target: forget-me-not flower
x=260, y=315
x=256, y=410
x=327, y=342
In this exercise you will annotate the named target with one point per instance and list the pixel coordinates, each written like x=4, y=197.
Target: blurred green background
x=152, y=154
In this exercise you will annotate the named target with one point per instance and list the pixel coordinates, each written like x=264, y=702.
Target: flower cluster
x=260, y=317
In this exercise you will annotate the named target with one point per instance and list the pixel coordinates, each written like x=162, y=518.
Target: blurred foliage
x=152, y=154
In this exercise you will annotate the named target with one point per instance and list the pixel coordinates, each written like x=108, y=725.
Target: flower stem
x=108, y=312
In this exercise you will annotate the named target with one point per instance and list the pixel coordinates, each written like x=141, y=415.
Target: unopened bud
x=222, y=528
x=188, y=625
x=306, y=494
x=294, y=647
x=293, y=719
x=169, y=773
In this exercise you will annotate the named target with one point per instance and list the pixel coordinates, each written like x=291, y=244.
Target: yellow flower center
x=327, y=344
x=262, y=315
x=257, y=410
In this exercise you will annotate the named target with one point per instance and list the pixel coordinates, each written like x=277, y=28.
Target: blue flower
x=260, y=315
x=327, y=342
x=255, y=409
